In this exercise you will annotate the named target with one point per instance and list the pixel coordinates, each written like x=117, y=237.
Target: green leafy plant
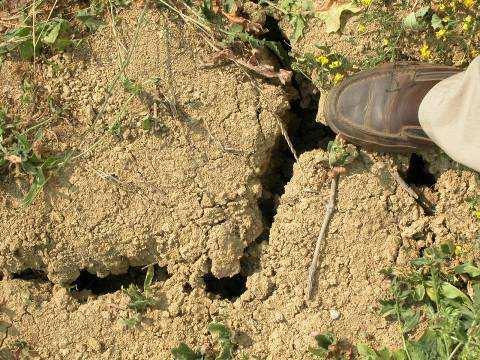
x=340, y=154
x=332, y=17
x=328, y=347
x=474, y=204
x=324, y=69
x=227, y=346
x=415, y=20
x=52, y=34
x=22, y=151
x=91, y=17
x=447, y=295
x=141, y=300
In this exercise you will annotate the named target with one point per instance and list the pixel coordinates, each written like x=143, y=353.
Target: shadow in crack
x=112, y=283
x=417, y=172
x=228, y=288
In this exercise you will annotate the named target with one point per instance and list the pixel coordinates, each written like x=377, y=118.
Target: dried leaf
x=37, y=148
x=268, y=71
x=332, y=17
x=14, y=159
x=247, y=25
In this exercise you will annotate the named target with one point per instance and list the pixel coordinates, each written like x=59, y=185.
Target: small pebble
x=334, y=314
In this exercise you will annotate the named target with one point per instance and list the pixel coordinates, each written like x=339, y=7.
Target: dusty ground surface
x=187, y=199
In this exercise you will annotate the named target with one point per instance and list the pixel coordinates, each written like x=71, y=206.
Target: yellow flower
x=474, y=53
x=446, y=19
x=323, y=60
x=453, y=5
x=362, y=28
x=335, y=64
x=468, y=3
x=441, y=34
x=385, y=42
x=477, y=214
x=337, y=78
x=425, y=52
x=458, y=250
x=467, y=22
x=366, y=2
x=441, y=7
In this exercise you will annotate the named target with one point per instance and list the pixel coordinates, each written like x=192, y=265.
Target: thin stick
x=286, y=137
x=330, y=208
x=34, y=18
x=403, y=184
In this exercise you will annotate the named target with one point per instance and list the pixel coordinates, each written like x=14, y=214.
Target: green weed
x=437, y=295
x=324, y=69
x=474, y=205
x=21, y=150
x=53, y=34
x=441, y=31
x=328, y=347
x=340, y=154
x=141, y=300
x=297, y=12
x=226, y=352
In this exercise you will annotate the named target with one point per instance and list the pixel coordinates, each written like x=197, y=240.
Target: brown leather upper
x=379, y=108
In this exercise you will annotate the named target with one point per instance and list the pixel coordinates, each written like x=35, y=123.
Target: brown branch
x=403, y=184
x=286, y=137
x=330, y=208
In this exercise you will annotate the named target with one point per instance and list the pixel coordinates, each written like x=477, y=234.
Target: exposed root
x=330, y=208
x=287, y=138
x=402, y=183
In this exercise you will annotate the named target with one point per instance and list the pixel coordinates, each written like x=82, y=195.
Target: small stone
x=64, y=352
x=94, y=345
x=279, y=318
x=334, y=314
x=66, y=91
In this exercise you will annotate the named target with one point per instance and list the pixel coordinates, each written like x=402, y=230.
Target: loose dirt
x=186, y=198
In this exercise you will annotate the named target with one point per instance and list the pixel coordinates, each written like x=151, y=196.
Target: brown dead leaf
x=14, y=159
x=14, y=5
x=248, y=26
x=327, y=4
x=267, y=71
x=37, y=148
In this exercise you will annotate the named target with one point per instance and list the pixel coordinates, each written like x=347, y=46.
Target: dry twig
x=330, y=208
x=287, y=138
x=403, y=184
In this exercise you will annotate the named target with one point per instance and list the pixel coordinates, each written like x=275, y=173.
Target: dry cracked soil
x=210, y=197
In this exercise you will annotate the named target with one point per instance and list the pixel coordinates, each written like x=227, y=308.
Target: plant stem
x=455, y=351
x=330, y=208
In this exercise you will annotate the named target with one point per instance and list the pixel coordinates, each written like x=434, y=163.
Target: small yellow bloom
x=458, y=250
x=467, y=22
x=468, y=3
x=366, y=2
x=477, y=214
x=425, y=52
x=323, y=60
x=446, y=19
x=335, y=64
x=337, y=78
x=441, y=7
x=385, y=42
x=441, y=34
x=362, y=28
x=452, y=5
x=474, y=53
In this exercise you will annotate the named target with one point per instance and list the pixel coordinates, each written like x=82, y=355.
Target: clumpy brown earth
x=186, y=198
